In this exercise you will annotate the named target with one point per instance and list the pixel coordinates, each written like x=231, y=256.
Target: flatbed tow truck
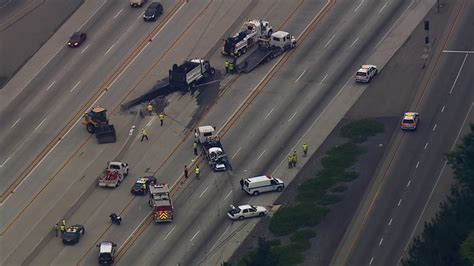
x=212, y=148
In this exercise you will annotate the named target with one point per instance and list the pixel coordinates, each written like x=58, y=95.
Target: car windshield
x=361, y=74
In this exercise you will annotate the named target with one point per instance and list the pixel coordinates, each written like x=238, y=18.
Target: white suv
x=246, y=211
x=366, y=73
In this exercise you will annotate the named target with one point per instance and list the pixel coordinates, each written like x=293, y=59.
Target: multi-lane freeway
x=50, y=164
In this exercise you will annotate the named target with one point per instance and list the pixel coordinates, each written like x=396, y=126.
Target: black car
x=141, y=186
x=76, y=39
x=153, y=11
x=72, y=234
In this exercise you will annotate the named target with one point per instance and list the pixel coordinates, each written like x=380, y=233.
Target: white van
x=264, y=183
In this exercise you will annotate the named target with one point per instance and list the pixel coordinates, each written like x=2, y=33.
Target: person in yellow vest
x=295, y=158
x=226, y=65
x=231, y=68
x=144, y=134
x=197, y=171
x=305, y=149
x=290, y=161
x=149, y=108
x=162, y=117
x=62, y=228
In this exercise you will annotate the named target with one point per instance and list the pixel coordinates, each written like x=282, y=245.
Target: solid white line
x=390, y=222
x=51, y=85
x=300, y=76
x=380, y=11
x=269, y=113
x=394, y=24
x=261, y=155
x=85, y=48
x=194, y=236
x=38, y=126
x=169, y=20
x=434, y=128
x=202, y=193
x=135, y=230
x=399, y=202
x=426, y=145
x=118, y=13
x=354, y=42
x=109, y=49
x=150, y=122
x=360, y=4
x=95, y=11
x=217, y=241
x=417, y=164
x=236, y=153
x=169, y=233
x=292, y=116
x=321, y=82
x=5, y=161
x=75, y=86
x=409, y=182
x=371, y=260
x=436, y=183
x=329, y=41
x=442, y=109
x=15, y=122
x=457, y=76
x=228, y=194
x=461, y=52
x=381, y=240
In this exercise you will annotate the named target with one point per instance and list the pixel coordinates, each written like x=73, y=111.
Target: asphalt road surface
x=310, y=89
x=416, y=159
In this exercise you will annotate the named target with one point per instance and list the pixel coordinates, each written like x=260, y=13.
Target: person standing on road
x=295, y=158
x=231, y=68
x=162, y=117
x=144, y=134
x=241, y=184
x=290, y=161
x=305, y=149
x=195, y=148
x=226, y=65
x=62, y=228
x=186, y=171
x=197, y=171
x=56, y=229
x=149, y=108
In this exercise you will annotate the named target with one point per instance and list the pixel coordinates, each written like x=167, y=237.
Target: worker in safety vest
x=231, y=68
x=197, y=171
x=305, y=149
x=290, y=161
x=144, y=134
x=226, y=65
x=162, y=117
x=149, y=108
x=295, y=158
x=62, y=228
x=195, y=145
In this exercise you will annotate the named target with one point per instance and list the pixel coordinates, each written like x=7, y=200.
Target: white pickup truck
x=113, y=174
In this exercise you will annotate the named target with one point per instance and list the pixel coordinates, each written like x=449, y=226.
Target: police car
x=141, y=186
x=366, y=73
x=409, y=121
x=246, y=211
x=106, y=252
x=72, y=234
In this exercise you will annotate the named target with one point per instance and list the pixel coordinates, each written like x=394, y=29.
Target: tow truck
x=249, y=33
x=268, y=48
x=114, y=174
x=160, y=201
x=211, y=147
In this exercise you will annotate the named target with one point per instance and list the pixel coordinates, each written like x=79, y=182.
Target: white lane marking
x=269, y=113
x=409, y=182
x=4, y=162
x=292, y=116
x=456, y=51
x=360, y=4
x=426, y=146
x=150, y=122
x=109, y=49
x=399, y=202
x=51, y=85
x=434, y=128
x=15, y=122
x=380, y=242
x=38, y=126
x=321, y=82
x=118, y=13
x=325, y=46
x=442, y=109
x=236, y=153
x=436, y=183
x=354, y=42
x=261, y=154
x=194, y=236
x=169, y=20
x=228, y=194
x=417, y=164
x=457, y=76
x=134, y=231
x=85, y=48
x=390, y=222
x=92, y=15
x=301, y=75
x=169, y=233
x=383, y=7
x=141, y=15
x=202, y=193
x=394, y=24
x=371, y=260
x=217, y=241
x=75, y=86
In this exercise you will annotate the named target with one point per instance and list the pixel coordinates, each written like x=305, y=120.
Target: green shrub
x=289, y=219
x=359, y=131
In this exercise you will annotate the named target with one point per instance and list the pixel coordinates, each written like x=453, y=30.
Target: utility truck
x=268, y=48
x=250, y=32
x=189, y=74
x=211, y=148
x=114, y=174
x=161, y=204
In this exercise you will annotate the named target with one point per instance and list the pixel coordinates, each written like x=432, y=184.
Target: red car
x=76, y=39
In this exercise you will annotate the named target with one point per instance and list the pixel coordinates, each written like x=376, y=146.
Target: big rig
x=189, y=74
x=251, y=31
x=212, y=148
x=160, y=202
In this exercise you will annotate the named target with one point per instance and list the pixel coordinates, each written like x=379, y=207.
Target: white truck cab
x=282, y=39
x=203, y=133
x=121, y=168
x=256, y=185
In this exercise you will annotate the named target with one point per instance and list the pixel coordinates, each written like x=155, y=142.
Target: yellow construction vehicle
x=96, y=122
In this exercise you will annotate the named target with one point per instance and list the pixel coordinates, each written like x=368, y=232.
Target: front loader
x=96, y=122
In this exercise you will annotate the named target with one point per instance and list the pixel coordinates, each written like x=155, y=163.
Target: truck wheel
x=212, y=71
x=270, y=32
x=244, y=50
x=279, y=189
x=255, y=193
x=90, y=128
x=241, y=218
x=261, y=214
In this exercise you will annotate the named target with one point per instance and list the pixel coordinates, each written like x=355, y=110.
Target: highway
x=382, y=232
x=310, y=89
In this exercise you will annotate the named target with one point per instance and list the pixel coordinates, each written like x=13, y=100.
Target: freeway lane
x=419, y=160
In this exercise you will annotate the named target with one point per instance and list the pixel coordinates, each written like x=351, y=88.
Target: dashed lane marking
x=202, y=193
x=51, y=85
x=169, y=233
x=118, y=13
x=194, y=236
x=15, y=122
x=330, y=40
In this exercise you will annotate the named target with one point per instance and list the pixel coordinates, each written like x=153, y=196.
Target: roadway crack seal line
x=277, y=66
x=396, y=148
x=76, y=118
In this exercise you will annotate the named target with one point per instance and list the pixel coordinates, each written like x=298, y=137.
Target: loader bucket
x=105, y=134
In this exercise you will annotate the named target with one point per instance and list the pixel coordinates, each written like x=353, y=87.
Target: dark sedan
x=141, y=186
x=153, y=11
x=77, y=39
x=72, y=234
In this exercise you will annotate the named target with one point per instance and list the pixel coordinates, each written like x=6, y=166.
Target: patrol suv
x=246, y=211
x=366, y=73
x=409, y=121
x=106, y=252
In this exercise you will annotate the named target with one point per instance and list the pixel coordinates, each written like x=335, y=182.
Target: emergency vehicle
x=161, y=204
x=366, y=73
x=248, y=35
x=409, y=121
x=106, y=252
